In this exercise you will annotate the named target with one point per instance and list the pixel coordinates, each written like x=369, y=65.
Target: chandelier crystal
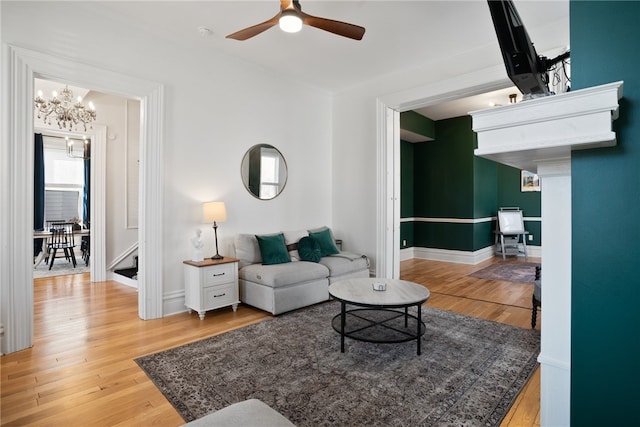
x=67, y=113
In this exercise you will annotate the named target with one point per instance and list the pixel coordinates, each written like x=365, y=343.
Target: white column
x=555, y=354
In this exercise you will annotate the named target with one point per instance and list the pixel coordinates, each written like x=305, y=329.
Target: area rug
x=469, y=373
x=509, y=271
x=60, y=268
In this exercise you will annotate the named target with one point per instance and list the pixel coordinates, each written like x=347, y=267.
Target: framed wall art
x=529, y=181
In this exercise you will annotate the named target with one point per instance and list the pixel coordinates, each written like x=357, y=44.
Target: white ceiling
x=399, y=34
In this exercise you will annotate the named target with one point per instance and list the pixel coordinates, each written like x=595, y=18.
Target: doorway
x=62, y=181
x=388, y=254
x=17, y=192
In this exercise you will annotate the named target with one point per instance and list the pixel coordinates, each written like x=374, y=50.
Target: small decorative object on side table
x=211, y=284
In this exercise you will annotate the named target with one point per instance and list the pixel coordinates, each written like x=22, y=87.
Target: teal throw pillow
x=309, y=249
x=273, y=250
x=325, y=240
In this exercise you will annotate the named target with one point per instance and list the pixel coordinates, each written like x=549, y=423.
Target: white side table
x=211, y=284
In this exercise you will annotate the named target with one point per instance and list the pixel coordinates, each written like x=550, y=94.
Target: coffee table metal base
x=379, y=325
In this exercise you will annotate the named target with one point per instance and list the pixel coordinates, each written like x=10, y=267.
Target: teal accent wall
x=443, y=179
x=443, y=186
x=417, y=123
x=605, y=318
x=406, y=192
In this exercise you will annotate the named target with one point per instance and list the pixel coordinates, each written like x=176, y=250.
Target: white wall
x=216, y=107
x=111, y=112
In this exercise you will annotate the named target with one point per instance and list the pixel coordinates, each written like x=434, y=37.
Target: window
x=269, y=173
x=63, y=181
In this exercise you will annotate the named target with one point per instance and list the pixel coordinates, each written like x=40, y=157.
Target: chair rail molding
x=539, y=135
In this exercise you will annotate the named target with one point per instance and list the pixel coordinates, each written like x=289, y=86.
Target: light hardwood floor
x=81, y=369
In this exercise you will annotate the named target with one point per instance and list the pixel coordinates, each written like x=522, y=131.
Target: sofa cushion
x=247, y=249
x=272, y=249
x=278, y=275
x=344, y=263
x=291, y=239
x=248, y=413
x=309, y=249
x=325, y=239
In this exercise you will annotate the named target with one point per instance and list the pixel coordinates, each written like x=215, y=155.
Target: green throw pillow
x=273, y=250
x=309, y=249
x=325, y=240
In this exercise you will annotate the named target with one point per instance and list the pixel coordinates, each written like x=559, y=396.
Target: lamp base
x=217, y=256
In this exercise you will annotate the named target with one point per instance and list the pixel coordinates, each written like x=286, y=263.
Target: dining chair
x=62, y=238
x=48, y=225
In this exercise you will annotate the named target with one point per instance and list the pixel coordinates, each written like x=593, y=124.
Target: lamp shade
x=213, y=212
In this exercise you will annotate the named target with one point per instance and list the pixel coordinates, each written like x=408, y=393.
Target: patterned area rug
x=509, y=271
x=469, y=373
x=61, y=267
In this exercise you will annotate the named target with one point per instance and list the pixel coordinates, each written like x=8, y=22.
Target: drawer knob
x=220, y=295
x=219, y=274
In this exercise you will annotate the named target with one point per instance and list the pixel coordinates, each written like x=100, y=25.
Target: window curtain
x=38, y=190
x=86, y=197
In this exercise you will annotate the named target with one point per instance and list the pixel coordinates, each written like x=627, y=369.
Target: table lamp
x=213, y=212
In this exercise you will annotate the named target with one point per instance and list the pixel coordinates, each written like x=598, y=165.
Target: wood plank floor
x=81, y=372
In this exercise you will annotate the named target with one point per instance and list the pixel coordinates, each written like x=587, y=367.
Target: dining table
x=45, y=235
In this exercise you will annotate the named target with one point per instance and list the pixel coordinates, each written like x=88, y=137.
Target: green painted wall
x=605, y=318
x=443, y=186
x=443, y=179
x=406, y=192
x=417, y=123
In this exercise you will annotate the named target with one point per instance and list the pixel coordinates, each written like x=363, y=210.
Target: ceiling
x=399, y=35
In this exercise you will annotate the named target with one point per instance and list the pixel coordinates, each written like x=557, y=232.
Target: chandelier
x=64, y=111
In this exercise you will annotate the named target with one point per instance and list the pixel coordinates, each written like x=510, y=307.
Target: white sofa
x=248, y=413
x=286, y=286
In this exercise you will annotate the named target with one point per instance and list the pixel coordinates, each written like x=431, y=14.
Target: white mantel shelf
x=539, y=135
x=545, y=129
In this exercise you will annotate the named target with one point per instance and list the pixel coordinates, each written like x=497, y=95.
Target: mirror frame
x=250, y=157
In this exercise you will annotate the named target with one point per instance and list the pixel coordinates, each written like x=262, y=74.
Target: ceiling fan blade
x=254, y=30
x=344, y=29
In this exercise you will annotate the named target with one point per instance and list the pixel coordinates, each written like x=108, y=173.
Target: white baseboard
x=458, y=257
x=173, y=303
x=124, y=280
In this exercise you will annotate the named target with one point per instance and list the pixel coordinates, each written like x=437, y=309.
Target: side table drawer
x=220, y=295
x=218, y=274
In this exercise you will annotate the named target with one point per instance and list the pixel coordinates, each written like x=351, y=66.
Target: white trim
x=174, y=303
x=464, y=220
x=459, y=257
x=552, y=361
x=123, y=280
x=450, y=220
x=20, y=67
x=131, y=249
x=448, y=255
x=474, y=83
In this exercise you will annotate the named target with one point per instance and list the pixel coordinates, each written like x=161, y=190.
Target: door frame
x=389, y=108
x=20, y=67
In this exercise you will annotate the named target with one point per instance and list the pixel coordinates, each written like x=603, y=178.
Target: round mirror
x=264, y=171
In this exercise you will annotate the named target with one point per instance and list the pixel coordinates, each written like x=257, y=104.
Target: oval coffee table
x=376, y=321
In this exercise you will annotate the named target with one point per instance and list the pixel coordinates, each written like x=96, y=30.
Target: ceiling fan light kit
x=291, y=18
x=290, y=22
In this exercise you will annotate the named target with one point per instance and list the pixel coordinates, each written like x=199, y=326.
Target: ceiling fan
x=291, y=18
